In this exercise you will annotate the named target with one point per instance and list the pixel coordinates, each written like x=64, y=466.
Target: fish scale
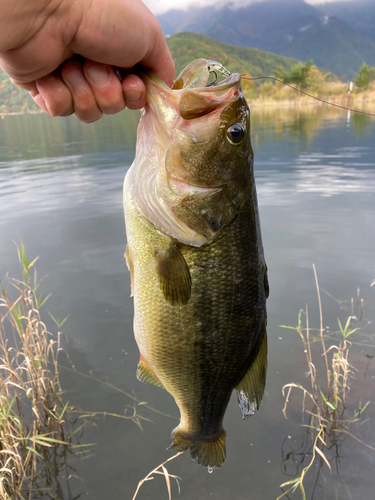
x=200, y=313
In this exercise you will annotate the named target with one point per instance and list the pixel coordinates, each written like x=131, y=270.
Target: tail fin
x=208, y=452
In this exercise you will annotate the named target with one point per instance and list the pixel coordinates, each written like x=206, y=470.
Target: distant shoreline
x=359, y=102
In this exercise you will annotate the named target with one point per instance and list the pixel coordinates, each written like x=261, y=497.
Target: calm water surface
x=61, y=192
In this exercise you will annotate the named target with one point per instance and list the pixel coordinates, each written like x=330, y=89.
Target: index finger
x=159, y=58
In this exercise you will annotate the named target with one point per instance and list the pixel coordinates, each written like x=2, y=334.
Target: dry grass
x=33, y=436
x=162, y=470
x=327, y=418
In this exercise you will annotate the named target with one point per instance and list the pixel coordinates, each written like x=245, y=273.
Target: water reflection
x=70, y=214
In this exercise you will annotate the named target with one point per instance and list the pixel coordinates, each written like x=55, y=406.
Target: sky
x=160, y=6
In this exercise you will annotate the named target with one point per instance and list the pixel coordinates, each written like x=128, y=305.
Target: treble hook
x=212, y=83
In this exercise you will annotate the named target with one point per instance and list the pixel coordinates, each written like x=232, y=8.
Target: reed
x=326, y=391
x=32, y=415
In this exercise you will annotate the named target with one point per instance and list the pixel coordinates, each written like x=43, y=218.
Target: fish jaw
x=174, y=124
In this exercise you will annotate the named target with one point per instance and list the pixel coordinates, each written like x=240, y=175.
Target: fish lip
x=231, y=80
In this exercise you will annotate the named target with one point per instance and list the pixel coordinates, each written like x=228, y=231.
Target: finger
x=55, y=95
x=105, y=86
x=134, y=92
x=159, y=58
x=85, y=106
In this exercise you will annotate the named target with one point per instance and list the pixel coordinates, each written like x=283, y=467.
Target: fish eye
x=235, y=133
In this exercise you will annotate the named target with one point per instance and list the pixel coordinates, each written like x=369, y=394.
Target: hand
x=105, y=33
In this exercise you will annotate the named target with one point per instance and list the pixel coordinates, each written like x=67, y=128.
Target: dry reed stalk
x=31, y=412
x=327, y=417
x=164, y=472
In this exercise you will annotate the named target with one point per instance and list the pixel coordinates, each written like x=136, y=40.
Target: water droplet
x=289, y=437
x=210, y=469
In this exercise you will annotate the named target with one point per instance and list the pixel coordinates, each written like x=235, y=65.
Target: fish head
x=194, y=156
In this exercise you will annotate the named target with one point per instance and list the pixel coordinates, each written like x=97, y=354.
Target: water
x=61, y=192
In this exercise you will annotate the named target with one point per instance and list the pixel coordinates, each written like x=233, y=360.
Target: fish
x=194, y=251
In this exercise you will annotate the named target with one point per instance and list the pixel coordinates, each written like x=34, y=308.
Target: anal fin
x=146, y=375
x=251, y=388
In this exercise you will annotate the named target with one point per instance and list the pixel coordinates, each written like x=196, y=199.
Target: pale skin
x=40, y=41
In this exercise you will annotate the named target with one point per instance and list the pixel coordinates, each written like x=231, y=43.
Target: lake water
x=61, y=193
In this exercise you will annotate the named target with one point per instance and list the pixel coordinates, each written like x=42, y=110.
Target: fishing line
x=309, y=95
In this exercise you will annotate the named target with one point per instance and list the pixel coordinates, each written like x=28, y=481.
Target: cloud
x=161, y=6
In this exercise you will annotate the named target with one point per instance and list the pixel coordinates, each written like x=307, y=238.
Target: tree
x=297, y=75
x=365, y=76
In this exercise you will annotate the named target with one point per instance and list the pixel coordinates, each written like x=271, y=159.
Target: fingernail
x=76, y=79
x=133, y=95
x=99, y=75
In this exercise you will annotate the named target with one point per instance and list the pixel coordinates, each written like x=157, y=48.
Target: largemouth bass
x=198, y=274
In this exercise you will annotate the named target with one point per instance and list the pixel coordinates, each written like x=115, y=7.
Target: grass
x=162, y=470
x=326, y=394
x=34, y=438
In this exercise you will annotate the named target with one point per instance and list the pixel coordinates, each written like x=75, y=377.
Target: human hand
x=105, y=33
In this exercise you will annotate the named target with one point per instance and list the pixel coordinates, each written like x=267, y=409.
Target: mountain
x=185, y=47
x=359, y=15
x=292, y=28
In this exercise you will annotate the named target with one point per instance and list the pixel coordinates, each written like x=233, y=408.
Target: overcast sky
x=160, y=6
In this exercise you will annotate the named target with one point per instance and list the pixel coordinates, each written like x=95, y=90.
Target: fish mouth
x=197, y=79
x=230, y=81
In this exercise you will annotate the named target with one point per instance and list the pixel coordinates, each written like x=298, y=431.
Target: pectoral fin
x=266, y=285
x=174, y=275
x=251, y=388
x=129, y=263
x=146, y=375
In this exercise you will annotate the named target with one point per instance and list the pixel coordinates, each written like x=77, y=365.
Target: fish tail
x=207, y=452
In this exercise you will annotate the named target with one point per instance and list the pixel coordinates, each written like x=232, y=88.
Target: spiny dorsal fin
x=174, y=275
x=251, y=388
x=146, y=375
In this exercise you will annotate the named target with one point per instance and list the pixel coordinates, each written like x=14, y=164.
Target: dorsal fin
x=251, y=388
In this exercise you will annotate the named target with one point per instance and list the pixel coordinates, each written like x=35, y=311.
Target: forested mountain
x=185, y=47
x=292, y=28
x=360, y=15
x=13, y=99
